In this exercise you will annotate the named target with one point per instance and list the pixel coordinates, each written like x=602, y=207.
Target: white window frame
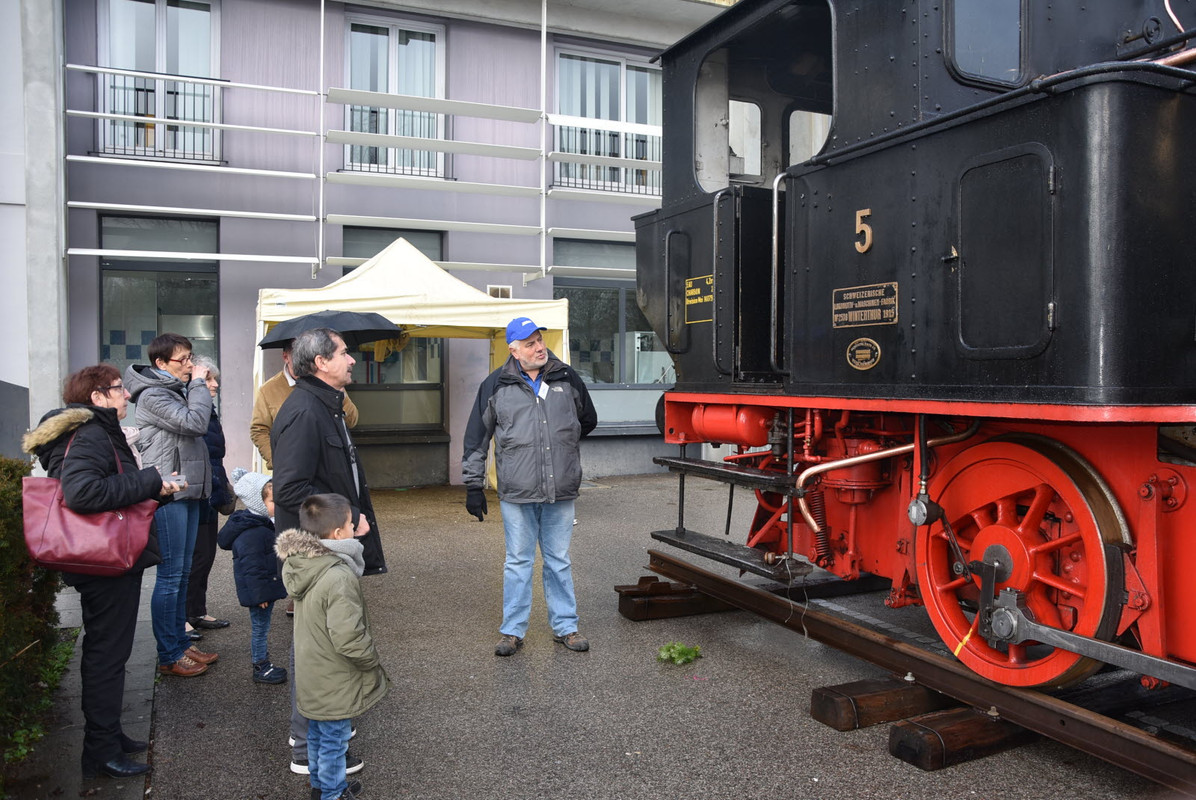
x=625, y=175
x=103, y=50
x=394, y=25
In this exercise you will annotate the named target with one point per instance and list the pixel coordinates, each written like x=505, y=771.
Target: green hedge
x=28, y=622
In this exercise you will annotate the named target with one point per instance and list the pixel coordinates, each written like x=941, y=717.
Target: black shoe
x=129, y=746
x=208, y=624
x=352, y=790
x=265, y=672
x=119, y=767
x=194, y=636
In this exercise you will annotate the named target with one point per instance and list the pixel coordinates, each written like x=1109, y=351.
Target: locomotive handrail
x=668, y=286
x=1036, y=86
x=773, y=360
x=718, y=364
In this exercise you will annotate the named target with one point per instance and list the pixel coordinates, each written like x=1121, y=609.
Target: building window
x=397, y=384
x=610, y=342
x=395, y=58
x=606, y=88
x=169, y=38
x=141, y=299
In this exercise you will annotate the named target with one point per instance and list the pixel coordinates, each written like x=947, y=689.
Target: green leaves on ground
x=678, y=653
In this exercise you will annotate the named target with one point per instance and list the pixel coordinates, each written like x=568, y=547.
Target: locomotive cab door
x=746, y=306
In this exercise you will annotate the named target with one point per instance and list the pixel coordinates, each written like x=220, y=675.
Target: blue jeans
x=177, y=523
x=551, y=526
x=327, y=743
x=259, y=629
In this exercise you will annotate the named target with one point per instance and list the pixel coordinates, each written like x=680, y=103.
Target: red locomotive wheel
x=1045, y=514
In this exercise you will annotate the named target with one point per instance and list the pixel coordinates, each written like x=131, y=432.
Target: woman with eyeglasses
x=84, y=447
x=173, y=410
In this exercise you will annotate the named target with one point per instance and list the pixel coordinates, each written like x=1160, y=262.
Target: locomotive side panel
x=1032, y=256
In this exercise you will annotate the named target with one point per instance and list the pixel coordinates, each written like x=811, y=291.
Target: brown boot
x=195, y=654
x=183, y=668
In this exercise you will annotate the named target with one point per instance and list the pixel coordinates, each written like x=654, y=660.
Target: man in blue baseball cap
x=541, y=409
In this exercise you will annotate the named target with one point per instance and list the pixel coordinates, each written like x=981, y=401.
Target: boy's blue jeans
x=259, y=630
x=327, y=743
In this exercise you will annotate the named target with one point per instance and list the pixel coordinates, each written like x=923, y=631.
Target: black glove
x=475, y=502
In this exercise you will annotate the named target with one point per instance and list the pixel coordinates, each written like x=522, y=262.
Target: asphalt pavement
x=613, y=723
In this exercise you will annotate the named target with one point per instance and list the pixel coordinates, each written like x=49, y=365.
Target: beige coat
x=265, y=408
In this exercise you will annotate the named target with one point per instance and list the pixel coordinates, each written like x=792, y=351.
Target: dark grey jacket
x=173, y=419
x=537, y=448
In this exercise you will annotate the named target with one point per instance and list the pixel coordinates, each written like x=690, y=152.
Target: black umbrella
x=355, y=327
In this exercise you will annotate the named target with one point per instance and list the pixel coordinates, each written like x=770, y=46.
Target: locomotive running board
x=764, y=480
x=745, y=558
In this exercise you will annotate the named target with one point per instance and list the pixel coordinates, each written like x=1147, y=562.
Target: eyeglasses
x=106, y=389
x=184, y=360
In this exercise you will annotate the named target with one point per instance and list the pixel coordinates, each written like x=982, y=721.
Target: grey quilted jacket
x=173, y=419
x=537, y=449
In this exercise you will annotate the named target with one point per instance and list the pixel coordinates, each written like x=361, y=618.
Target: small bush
x=31, y=657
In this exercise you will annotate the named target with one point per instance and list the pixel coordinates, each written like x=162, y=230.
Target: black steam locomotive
x=927, y=265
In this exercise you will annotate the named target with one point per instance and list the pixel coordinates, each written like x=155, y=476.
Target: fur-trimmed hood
x=295, y=542
x=305, y=560
x=54, y=425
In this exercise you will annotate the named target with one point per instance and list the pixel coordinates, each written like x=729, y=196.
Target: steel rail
x=1113, y=741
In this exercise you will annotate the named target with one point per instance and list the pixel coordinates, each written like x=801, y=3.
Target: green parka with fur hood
x=338, y=674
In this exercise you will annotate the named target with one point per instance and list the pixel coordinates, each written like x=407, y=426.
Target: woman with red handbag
x=81, y=445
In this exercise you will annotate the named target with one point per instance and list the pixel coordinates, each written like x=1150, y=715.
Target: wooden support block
x=938, y=740
x=862, y=703
x=653, y=598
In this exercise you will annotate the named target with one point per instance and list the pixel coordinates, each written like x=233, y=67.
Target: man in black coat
x=313, y=452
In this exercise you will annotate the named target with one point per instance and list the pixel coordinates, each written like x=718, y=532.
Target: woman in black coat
x=93, y=480
x=204, y=554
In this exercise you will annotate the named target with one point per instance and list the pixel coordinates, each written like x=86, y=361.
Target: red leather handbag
x=104, y=543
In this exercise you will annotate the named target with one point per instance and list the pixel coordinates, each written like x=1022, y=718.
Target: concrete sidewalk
x=54, y=770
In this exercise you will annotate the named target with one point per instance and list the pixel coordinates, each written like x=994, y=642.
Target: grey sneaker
x=507, y=645
x=574, y=641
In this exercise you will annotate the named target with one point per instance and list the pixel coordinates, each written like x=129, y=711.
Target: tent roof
x=406, y=287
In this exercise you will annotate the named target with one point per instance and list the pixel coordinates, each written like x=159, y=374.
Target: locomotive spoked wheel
x=1048, y=518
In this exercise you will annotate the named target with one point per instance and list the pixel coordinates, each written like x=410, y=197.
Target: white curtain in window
x=131, y=35
x=643, y=96
x=589, y=87
x=188, y=38
x=369, y=66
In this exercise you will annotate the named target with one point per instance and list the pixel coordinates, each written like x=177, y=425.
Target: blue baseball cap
x=521, y=328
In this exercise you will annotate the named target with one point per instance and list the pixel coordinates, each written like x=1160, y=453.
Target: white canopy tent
x=406, y=287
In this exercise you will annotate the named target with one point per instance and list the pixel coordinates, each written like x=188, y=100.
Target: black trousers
x=201, y=564
x=109, y=622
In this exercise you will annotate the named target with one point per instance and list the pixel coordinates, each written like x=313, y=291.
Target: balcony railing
x=394, y=160
x=606, y=143
x=158, y=98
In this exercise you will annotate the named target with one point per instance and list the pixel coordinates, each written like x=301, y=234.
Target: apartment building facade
x=207, y=149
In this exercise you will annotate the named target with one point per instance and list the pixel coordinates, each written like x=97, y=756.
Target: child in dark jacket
x=250, y=534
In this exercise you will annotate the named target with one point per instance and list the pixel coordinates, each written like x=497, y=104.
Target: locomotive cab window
x=986, y=40
x=763, y=98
